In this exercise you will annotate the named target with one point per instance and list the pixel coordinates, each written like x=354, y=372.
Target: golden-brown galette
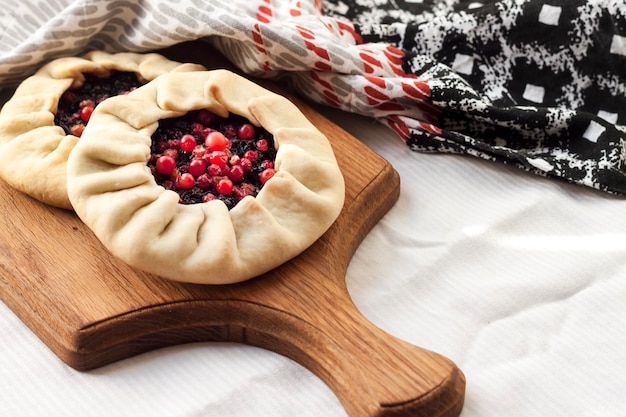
x=43, y=120
x=204, y=177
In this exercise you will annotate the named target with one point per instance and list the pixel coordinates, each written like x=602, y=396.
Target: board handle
x=307, y=314
x=372, y=373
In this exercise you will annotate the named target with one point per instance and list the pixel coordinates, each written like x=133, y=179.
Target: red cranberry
x=247, y=187
x=242, y=190
x=224, y=186
x=197, y=128
x=175, y=174
x=215, y=170
x=85, y=113
x=68, y=96
x=246, y=131
x=173, y=153
x=229, y=130
x=234, y=160
x=266, y=174
x=205, y=132
x=205, y=181
x=216, y=141
x=86, y=103
x=161, y=147
x=185, y=181
x=173, y=143
x=165, y=165
x=246, y=164
x=187, y=143
x=206, y=118
x=199, y=151
x=262, y=145
x=219, y=158
x=197, y=167
x=123, y=93
x=251, y=155
x=206, y=158
x=238, y=192
x=236, y=173
x=77, y=130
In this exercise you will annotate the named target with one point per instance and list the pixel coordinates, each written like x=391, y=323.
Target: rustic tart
x=204, y=177
x=45, y=117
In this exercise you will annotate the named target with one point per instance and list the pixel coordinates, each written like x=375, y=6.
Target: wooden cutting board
x=91, y=309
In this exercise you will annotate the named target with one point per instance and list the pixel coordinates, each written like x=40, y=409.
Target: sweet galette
x=46, y=115
x=204, y=177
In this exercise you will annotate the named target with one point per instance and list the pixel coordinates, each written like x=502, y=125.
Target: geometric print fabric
x=546, y=82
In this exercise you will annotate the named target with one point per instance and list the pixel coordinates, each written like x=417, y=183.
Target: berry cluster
x=77, y=103
x=204, y=157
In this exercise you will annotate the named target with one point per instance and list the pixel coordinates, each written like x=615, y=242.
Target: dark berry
x=78, y=102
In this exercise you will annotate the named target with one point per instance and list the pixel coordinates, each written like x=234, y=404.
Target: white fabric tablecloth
x=519, y=279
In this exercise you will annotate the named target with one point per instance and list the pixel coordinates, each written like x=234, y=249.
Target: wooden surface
x=92, y=309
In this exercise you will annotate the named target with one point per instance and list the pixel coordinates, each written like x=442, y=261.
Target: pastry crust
x=34, y=149
x=116, y=195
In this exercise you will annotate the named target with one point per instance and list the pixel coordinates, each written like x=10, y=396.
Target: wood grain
x=91, y=309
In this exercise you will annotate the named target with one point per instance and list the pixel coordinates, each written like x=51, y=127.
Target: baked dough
x=114, y=192
x=35, y=150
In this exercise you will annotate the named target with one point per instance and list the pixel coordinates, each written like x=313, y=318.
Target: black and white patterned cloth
x=539, y=84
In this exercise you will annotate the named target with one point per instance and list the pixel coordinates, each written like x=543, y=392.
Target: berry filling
x=204, y=157
x=77, y=103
